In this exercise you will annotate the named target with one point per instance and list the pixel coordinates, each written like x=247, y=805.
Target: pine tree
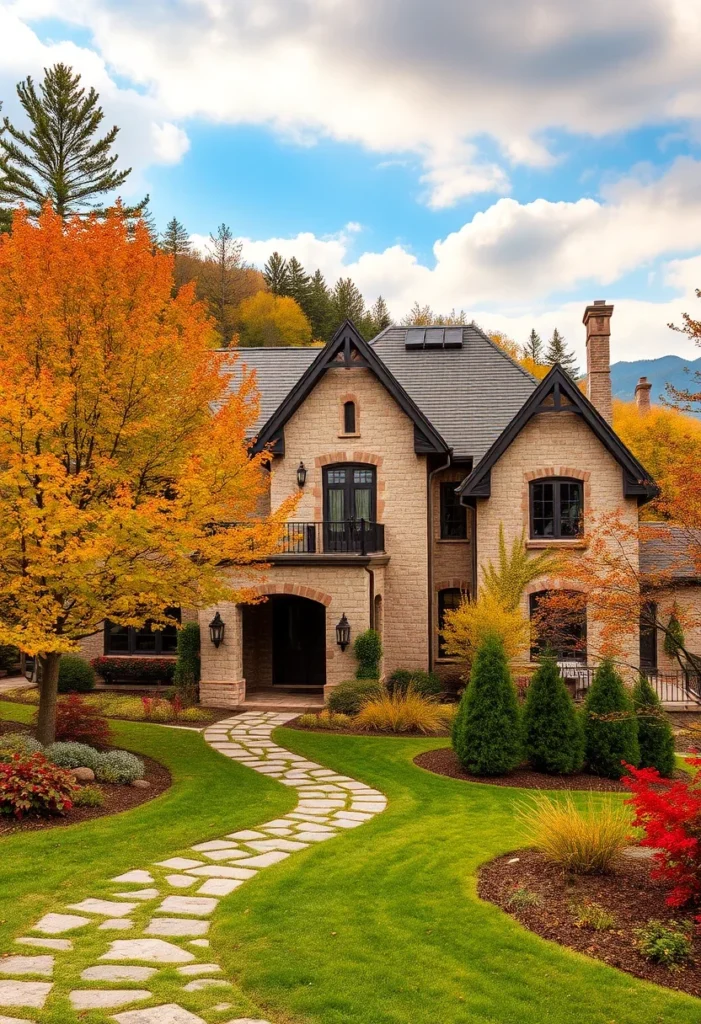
x=487, y=730
x=277, y=275
x=347, y=303
x=380, y=316
x=610, y=725
x=655, y=735
x=61, y=159
x=533, y=349
x=223, y=258
x=318, y=307
x=298, y=282
x=175, y=240
x=557, y=352
x=552, y=731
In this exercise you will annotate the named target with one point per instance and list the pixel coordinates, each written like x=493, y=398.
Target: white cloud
x=170, y=143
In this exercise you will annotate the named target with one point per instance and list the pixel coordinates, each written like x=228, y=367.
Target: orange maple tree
x=123, y=440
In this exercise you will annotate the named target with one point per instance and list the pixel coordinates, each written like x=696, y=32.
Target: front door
x=299, y=642
x=349, y=497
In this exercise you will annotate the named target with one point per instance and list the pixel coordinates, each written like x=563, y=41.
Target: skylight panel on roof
x=453, y=337
x=433, y=338
x=415, y=337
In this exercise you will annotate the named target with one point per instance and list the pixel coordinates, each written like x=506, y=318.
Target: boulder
x=83, y=775
x=141, y=784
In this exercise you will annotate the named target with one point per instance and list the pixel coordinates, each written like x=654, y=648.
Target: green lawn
x=379, y=925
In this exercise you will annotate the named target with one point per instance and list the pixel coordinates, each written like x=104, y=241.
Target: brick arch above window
x=288, y=590
x=453, y=583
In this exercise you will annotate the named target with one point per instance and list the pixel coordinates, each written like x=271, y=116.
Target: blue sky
x=516, y=160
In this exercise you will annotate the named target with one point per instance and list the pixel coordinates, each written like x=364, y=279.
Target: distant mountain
x=665, y=370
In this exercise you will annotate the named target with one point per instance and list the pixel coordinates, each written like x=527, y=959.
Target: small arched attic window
x=349, y=418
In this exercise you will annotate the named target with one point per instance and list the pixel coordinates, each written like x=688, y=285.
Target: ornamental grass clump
x=655, y=737
x=610, y=725
x=584, y=840
x=397, y=712
x=325, y=720
x=552, y=731
x=487, y=728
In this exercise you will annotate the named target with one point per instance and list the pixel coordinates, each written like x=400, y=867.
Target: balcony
x=350, y=537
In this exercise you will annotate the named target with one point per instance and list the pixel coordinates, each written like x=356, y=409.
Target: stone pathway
x=163, y=911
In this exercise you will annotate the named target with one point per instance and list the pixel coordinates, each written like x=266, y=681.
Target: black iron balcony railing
x=352, y=536
x=670, y=687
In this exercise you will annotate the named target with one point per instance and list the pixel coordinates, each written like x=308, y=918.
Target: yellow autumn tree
x=513, y=349
x=268, y=319
x=119, y=447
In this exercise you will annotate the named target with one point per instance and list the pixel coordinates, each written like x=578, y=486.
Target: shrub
x=9, y=656
x=589, y=914
x=135, y=670
x=523, y=897
x=18, y=743
x=120, y=766
x=325, y=720
x=487, y=727
x=31, y=785
x=89, y=796
x=398, y=712
x=667, y=944
x=195, y=715
x=425, y=683
x=655, y=737
x=75, y=675
x=368, y=652
x=552, y=731
x=347, y=698
x=584, y=841
x=186, y=675
x=77, y=720
x=467, y=628
x=610, y=727
x=74, y=755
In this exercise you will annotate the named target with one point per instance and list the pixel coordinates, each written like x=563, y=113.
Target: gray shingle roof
x=669, y=551
x=468, y=394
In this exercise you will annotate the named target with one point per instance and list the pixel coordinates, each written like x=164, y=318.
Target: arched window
x=349, y=418
x=557, y=508
x=563, y=630
x=448, y=600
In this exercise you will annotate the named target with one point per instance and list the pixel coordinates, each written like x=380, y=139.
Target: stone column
x=222, y=684
x=642, y=395
x=597, y=320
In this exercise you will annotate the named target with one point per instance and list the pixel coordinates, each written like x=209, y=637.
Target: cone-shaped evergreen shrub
x=487, y=730
x=552, y=732
x=655, y=736
x=610, y=725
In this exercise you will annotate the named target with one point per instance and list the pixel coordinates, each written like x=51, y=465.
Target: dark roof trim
x=566, y=397
x=348, y=349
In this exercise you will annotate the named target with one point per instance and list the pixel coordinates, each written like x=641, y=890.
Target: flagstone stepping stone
x=247, y=833
x=180, y=881
x=281, y=832
x=215, y=844
x=27, y=965
x=140, y=894
x=202, y=983
x=223, y=871
x=277, y=823
x=218, y=855
x=122, y=972
x=168, y=1013
x=345, y=823
x=152, y=950
x=103, y=999
x=198, y=905
x=142, y=877
x=373, y=808
x=179, y=863
x=313, y=826
x=106, y=907
x=116, y=924
x=199, y=942
x=263, y=845
x=176, y=927
x=24, y=993
x=63, y=944
x=354, y=816
x=248, y=1020
x=264, y=860
x=55, y=924
x=315, y=837
x=219, y=886
x=193, y=969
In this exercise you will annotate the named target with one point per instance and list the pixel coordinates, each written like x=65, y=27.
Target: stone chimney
x=597, y=320
x=642, y=395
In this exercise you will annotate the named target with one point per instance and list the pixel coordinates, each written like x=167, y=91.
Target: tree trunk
x=48, y=690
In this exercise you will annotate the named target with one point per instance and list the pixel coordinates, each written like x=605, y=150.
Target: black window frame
x=538, y=645
x=557, y=483
x=648, y=636
x=442, y=609
x=134, y=635
x=453, y=514
x=349, y=418
x=349, y=488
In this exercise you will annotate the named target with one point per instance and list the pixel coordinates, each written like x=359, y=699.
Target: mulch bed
x=628, y=893
x=414, y=734
x=117, y=798
x=682, y=723
x=445, y=762
x=213, y=714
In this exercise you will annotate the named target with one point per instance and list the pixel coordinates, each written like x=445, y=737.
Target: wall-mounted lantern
x=216, y=630
x=343, y=632
x=301, y=475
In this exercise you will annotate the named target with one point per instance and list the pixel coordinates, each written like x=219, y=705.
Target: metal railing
x=351, y=536
x=671, y=687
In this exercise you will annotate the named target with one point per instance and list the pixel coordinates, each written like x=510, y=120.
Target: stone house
x=409, y=452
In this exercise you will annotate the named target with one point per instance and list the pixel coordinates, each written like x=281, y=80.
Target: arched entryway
x=284, y=644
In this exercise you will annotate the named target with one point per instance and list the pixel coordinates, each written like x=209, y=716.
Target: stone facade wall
x=93, y=646
x=553, y=444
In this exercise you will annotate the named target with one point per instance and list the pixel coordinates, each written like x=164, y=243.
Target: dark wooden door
x=299, y=642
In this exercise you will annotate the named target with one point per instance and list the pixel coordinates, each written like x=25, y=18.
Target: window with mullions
x=448, y=600
x=564, y=632
x=453, y=514
x=557, y=508
x=146, y=640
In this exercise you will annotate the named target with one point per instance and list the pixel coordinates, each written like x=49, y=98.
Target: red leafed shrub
x=32, y=785
x=669, y=812
x=135, y=670
x=76, y=720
